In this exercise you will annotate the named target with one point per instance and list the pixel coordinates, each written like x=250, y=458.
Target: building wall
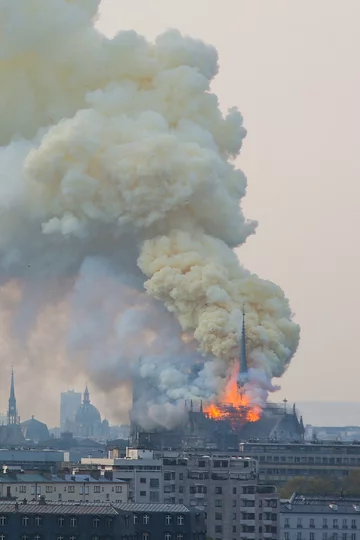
x=279, y=462
x=77, y=491
x=320, y=523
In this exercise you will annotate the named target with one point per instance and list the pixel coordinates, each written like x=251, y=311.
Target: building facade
x=280, y=462
x=64, y=488
x=320, y=518
x=61, y=521
x=224, y=487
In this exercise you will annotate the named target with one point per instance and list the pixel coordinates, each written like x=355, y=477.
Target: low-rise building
x=64, y=521
x=63, y=488
x=313, y=517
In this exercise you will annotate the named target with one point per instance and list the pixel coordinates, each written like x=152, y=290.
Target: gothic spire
x=243, y=358
x=12, y=411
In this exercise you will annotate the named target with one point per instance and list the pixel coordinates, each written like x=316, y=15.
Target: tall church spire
x=243, y=357
x=12, y=411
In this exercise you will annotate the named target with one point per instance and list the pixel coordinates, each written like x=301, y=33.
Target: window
x=287, y=536
x=218, y=503
x=37, y=537
x=168, y=520
x=154, y=483
x=61, y=521
x=48, y=489
x=25, y=521
x=2, y=537
x=353, y=536
x=118, y=489
x=60, y=538
x=109, y=523
x=167, y=536
x=142, y=480
x=3, y=521
x=344, y=524
x=154, y=496
x=22, y=489
x=145, y=536
x=234, y=528
x=38, y=521
x=218, y=516
x=286, y=524
x=234, y=503
x=181, y=476
x=146, y=519
x=218, y=528
x=73, y=537
x=325, y=535
x=142, y=493
x=24, y=537
x=312, y=523
x=234, y=515
x=335, y=524
x=312, y=536
x=298, y=536
x=353, y=523
x=135, y=518
x=180, y=520
x=218, y=490
x=71, y=489
x=96, y=489
x=344, y=536
x=179, y=537
x=234, y=491
x=73, y=522
x=325, y=523
x=96, y=523
x=95, y=537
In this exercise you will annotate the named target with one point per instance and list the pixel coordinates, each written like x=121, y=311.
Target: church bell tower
x=12, y=410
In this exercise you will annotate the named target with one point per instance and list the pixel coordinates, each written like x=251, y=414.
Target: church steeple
x=12, y=411
x=243, y=357
x=86, y=396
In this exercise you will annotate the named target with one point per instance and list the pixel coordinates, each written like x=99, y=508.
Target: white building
x=320, y=518
x=62, y=488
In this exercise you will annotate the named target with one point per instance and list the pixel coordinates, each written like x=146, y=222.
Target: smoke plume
x=120, y=208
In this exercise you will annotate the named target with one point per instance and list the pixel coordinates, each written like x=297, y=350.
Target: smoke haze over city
x=78, y=249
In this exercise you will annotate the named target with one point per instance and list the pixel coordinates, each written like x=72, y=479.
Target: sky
x=292, y=69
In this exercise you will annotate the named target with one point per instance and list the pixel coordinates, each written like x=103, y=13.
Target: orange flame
x=236, y=400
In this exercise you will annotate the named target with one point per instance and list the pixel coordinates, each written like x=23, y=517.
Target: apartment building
x=320, y=518
x=223, y=486
x=279, y=462
x=140, y=469
x=63, y=488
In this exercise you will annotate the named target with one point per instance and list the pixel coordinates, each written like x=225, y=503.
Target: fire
x=231, y=400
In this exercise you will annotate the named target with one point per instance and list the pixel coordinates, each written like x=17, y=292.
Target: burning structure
x=221, y=425
x=120, y=204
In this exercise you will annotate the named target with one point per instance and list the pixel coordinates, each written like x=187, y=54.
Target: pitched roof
x=8, y=507
x=150, y=507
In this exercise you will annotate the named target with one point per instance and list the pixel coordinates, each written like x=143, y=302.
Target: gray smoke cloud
x=120, y=209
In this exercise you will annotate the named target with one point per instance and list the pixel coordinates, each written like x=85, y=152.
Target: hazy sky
x=292, y=68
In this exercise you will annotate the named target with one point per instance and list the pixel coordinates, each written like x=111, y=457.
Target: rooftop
x=25, y=478
x=138, y=507
x=317, y=504
x=57, y=508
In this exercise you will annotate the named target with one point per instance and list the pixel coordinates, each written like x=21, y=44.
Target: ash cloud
x=120, y=207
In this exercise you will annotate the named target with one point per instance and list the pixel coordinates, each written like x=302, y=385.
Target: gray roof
x=7, y=507
x=317, y=504
x=40, y=479
x=144, y=507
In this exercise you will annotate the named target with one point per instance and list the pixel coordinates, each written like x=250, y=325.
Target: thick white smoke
x=118, y=184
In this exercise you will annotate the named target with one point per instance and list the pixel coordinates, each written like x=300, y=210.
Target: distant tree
x=323, y=485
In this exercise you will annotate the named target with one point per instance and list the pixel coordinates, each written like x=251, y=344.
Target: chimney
x=42, y=501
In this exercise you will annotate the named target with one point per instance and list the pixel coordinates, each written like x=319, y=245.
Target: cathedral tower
x=12, y=410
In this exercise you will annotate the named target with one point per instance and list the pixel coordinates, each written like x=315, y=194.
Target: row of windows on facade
x=73, y=522
x=69, y=489
x=196, y=475
x=326, y=523
x=302, y=472
x=248, y=529
x=246, y=516
x=167, y=536
x=324, y=536
x=27, y=521
x=308, y=459
x=249, y=503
